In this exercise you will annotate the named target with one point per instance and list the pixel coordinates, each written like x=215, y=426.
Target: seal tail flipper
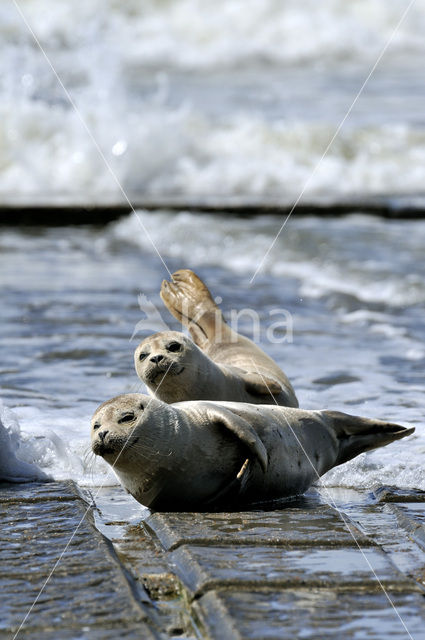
x=356, y=434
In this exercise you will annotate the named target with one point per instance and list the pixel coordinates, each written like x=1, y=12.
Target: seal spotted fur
x=205, y=455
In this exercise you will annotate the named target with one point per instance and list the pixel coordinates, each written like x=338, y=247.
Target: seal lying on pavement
x=207, y=455
x=221, y=365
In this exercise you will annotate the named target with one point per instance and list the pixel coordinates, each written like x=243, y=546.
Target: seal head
x=170, y=364
x=113, y=426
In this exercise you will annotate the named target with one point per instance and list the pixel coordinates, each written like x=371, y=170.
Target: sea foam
x=220, y=98
x=12, y=467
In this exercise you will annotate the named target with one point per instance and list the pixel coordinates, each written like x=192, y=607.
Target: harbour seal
x=221, y=365
x=207, y=455
x=174, y=369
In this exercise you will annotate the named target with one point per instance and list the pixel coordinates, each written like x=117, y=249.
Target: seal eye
x=141, y=407
x=142, y=356
x=174, y=346
x=96, y=426
x=127, y=417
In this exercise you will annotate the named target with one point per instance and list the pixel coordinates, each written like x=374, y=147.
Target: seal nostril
x=157, y=358
x=102, y=435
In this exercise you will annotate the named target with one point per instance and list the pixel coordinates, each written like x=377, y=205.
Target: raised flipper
x=242, y=430
x=190, y=302
x=356, y=434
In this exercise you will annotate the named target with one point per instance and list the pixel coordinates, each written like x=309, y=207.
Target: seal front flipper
x=242, y=430
x=260, y=385
x=227, y=494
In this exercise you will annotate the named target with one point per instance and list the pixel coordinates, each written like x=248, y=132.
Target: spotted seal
x=205, y=455
x=219, y=364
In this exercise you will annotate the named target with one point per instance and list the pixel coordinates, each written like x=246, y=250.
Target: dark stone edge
x=366, y=588
x=62, y=211
x=197, y=582
x=215, y=617
x=387, y=493
x=293, y=585
x=415, y=530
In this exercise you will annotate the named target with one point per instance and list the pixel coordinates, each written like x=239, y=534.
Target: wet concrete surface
x=205, y=568
x=310, y=614
x=57, y=569
x=283, y=527
x=322, y=566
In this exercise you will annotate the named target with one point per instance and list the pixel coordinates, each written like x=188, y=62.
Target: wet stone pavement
x=89, y=593
x=304, y=569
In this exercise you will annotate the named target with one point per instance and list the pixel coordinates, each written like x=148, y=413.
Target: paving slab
x=205, y=568
x=88, y=595
x=379, y=521
x=39, y=492
x=313, y=614
x=59, y=209
x=318, y=525
x=292, y=572
x=252, y=574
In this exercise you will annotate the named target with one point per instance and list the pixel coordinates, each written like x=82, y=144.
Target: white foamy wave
x=400, y=464
x=197, y=34
x=322, y=279
x=160, y=135
x=193, y=34
x=31, y=449
x=200, y=239
x=13, y=467
x=183, y=152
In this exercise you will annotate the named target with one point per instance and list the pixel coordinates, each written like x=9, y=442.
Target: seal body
x=219, y=364
x=209, y=455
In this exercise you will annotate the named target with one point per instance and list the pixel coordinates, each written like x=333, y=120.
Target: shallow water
x=354, y=288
